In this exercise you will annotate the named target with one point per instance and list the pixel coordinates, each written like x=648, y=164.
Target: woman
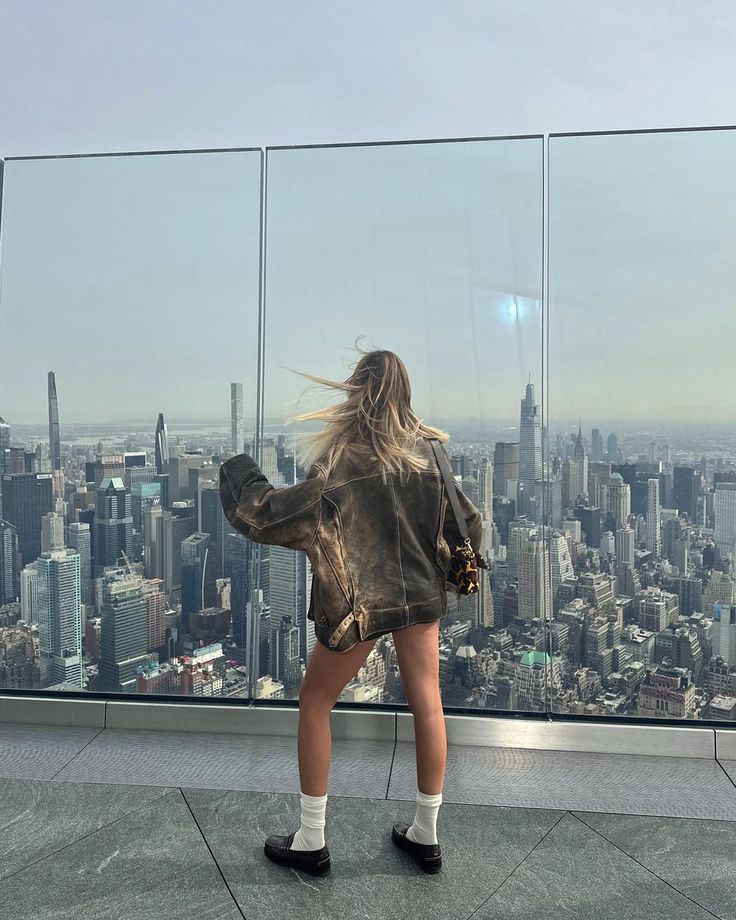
x=371, y=517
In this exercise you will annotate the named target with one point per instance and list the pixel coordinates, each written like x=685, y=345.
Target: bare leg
x=326, y=677
x=417, y=650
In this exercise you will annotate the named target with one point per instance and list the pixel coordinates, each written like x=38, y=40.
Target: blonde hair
x=375, y=418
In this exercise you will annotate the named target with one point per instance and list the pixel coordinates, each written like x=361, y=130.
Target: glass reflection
x=128, y=321
x=641, y=426
x=432, y=251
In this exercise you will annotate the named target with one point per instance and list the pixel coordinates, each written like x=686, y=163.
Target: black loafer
x=427, y=855
x=315, y=862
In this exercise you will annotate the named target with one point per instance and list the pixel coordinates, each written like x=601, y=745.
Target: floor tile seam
x=516, y=867
x=646, y=868
x=409, y=798
x=97, y=782
x=629, y=754
x=97, y=830
x=728, y=775
x=229, y=735
x=77, y=753
x=601, y=811
x=663, y=758
x=212, y=855
x=643, y=814
x=393, y=759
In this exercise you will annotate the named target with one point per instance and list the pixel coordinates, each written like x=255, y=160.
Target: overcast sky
x=136, y=279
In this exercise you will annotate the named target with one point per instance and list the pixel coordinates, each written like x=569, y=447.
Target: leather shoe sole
x=315, y=862
x=427, y=855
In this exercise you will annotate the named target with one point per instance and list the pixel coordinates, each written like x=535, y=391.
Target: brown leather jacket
x=379, y=552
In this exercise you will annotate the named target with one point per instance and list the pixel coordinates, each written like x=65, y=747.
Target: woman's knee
x=314, y=700
x=427, y=706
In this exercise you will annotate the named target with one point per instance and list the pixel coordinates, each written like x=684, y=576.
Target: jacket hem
x=360, y=624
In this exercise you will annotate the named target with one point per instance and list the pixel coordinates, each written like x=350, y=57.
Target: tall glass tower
x=54, y=441
x=60, y=617
x=4, y=445
x=237, y=434
x=530, y=438
x=162, y=445
x=112, y=527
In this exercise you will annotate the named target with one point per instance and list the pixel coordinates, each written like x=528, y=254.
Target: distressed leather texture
x=379, y=551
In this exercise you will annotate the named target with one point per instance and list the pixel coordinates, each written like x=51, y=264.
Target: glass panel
x=432, y=251
x=129, y=310
x=641, y=279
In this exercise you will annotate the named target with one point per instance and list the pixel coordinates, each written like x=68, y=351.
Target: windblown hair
x=375, y=420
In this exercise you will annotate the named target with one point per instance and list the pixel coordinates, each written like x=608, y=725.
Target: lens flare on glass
x=511, y=309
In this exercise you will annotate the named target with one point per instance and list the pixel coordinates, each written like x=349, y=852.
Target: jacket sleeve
x=257, y=509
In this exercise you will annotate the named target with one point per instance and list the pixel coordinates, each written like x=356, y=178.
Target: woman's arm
x=283, y=517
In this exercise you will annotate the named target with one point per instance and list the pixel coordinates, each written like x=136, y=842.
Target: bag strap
x=450, y=487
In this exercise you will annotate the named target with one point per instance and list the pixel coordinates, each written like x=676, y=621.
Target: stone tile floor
x=122, y=825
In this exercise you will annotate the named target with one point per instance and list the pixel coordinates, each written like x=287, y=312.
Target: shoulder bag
x=462, y=575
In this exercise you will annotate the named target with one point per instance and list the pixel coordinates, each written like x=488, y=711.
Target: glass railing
x=129, y=307
x=572, y=337
x=641, y=422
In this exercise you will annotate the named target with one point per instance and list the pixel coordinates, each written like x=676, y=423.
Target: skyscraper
x=505, y=467
x=113, y=523
x=288, y=586
x=283, y=650
x=26, y=498
x=596, y=446
x=238, y=552
x=654, y=538
x=534, y=589
x=619, y=499
x=237, y=435
x=625, y=545
x=54, y=440
x=161, y=445
x=724, y=508
x=29, y=593
x=530, y=438
x=520, y=530
x=574, y=481
x=194, y=550
x=270, y=462
x=9, y=584
x=52, y=532
x=123, y=633
x=590, y=522
x=685, y=489
x=60, y=617
x=80, y=538
x=560, y=563
x=176, y=525
x=4, y=445
x=485, y=486
x=724, y=633
x=152, y=542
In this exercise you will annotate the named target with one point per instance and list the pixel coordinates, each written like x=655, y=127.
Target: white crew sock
x=311, y=834
x=424, y=828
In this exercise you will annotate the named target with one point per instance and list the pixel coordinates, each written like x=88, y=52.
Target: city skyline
x=636, y=554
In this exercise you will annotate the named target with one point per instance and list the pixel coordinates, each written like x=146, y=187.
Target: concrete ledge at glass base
x=345, y=724
x=590, y=737
x=53, y=710
x=726, y=743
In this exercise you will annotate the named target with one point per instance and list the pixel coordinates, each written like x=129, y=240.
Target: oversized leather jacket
x=379, y=551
